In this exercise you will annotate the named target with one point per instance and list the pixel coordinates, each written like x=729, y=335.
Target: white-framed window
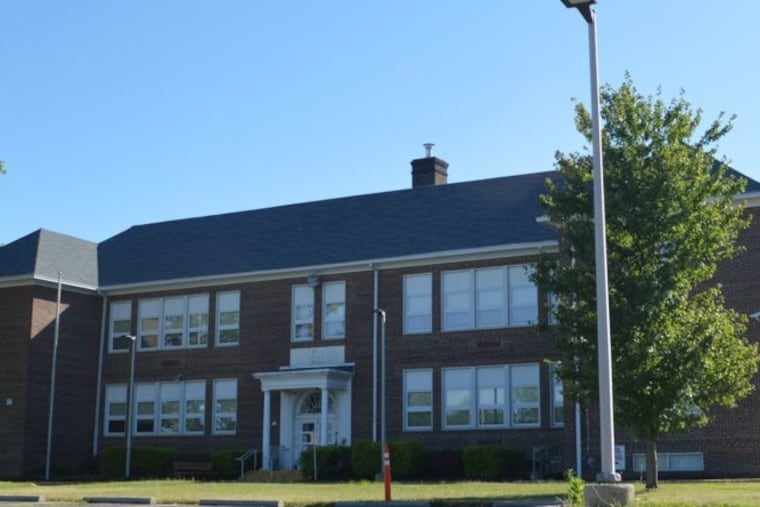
x=552, y=300
x=160, y=408
x=418, y=303
x=149, y=327
x=523, y=297
x=228, y=318
x=183, y=407
x=499, y=396
x=457, y=300
x=488, y=298
x=195, y=407
x=418, y=400
x=225, y=406
x=175, y=322
x=197, y=321
x=457, y=397
x=334, y=310
x=169, y=415
x=525, y=398
x=116, y=410
x=558, y=397
x=120, y=325
x=145, y=409
x=491, y=396
x=672, y=462
x=303, y=313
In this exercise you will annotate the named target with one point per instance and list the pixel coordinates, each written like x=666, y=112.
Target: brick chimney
x=429, y=170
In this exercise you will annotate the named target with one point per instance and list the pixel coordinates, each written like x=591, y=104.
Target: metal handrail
x=243, y=457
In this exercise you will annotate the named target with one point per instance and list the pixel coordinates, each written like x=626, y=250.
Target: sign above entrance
x=317, y=356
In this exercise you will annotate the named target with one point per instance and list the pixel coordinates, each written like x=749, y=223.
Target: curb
x=122, y=499
x=242, y=503
x=541, y=502
x=378, y=503
x=22, y=498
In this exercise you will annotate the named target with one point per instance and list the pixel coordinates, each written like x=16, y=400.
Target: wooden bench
x=192, y=469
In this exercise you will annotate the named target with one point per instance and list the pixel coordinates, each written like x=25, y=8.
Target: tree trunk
x=651, y=471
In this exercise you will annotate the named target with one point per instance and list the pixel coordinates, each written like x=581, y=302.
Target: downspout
x=99, y=382
x=375, y=302
x=578, y=447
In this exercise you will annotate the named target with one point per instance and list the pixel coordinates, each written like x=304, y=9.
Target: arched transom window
x=312, y=404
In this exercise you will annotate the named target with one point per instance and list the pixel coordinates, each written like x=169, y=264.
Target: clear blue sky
x=116, y=113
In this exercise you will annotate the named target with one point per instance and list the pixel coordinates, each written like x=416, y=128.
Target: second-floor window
x=120, y=325
x=334, y=310
x=418, y=303
x=228, y=318
x=303, y=313
x=173, y=322
x=488, y=298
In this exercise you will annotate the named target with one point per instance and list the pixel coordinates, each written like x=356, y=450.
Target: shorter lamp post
x=384, y=454
x=130, y=402
x=381, y=313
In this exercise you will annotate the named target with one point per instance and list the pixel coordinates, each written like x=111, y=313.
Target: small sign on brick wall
x=315, y=356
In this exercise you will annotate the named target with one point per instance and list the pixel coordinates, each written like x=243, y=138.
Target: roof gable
x=42, y=254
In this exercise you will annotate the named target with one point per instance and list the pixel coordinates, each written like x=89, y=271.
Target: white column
x=266, y=432
x=323, y=423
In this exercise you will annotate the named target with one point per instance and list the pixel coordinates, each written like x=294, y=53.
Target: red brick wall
x=265, y=345
x=15, y=322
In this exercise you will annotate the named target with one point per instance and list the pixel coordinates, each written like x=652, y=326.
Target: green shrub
x=365, y=459
x=516, y=464
x=333, y=463
x=145, y=462
x=575, y=488
x=442, y=464
x=491, y=462
x=225, y=465
x=406, y=459
x=112, y=462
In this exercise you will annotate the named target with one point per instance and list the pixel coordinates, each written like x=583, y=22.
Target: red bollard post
x=387, y=472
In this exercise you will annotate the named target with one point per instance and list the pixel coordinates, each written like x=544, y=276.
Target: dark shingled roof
x=422, y=220
x=42, y=254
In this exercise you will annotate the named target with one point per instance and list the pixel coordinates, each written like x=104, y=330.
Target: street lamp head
x=583, y=6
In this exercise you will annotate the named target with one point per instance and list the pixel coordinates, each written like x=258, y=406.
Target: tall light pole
x=130, y=402
x=606, y=419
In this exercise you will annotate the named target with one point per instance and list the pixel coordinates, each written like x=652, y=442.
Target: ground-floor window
x=418, y=400
x=225, y=406
x=116, y=409
x=169, y=408
x=491, y=397
x=672, y=462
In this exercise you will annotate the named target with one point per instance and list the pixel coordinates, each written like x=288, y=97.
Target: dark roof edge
x=517, y=249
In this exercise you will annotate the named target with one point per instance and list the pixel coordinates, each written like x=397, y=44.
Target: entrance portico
x=315, y=409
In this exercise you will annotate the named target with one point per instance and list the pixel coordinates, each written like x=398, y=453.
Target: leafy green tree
x=677, y=351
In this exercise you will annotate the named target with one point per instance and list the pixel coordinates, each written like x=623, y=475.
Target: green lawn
x=670, y=494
